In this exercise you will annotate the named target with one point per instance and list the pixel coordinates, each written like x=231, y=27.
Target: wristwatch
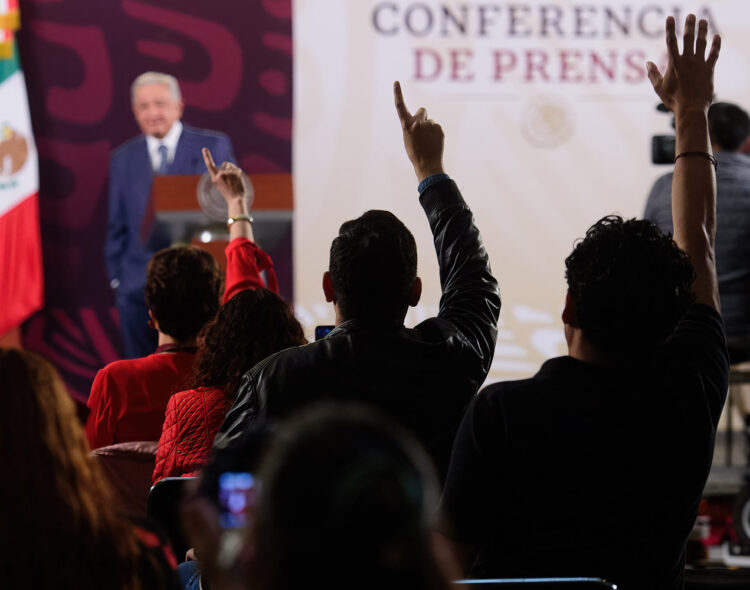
x=242, y=217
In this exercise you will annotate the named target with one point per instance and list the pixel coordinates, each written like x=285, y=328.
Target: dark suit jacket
x=130, y=174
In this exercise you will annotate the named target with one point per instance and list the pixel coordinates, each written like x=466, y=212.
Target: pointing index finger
x=403, y=112
x=209, y=160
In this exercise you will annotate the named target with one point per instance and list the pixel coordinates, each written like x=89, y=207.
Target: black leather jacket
x=422, y=377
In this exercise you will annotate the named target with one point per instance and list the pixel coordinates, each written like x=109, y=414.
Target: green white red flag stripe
x=21, y=275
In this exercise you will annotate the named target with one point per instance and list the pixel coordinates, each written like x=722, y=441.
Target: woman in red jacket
x=252, y=324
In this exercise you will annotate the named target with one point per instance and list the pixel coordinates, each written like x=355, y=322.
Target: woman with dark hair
x=251, y=326
x=346, y=500
x=60, y=527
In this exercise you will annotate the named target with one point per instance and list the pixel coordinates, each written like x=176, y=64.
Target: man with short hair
x=595, y=466
x=729, y=130
x=166, y=146
x=423, y=377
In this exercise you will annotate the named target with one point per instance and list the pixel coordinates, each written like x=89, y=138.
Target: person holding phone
x=342, y=497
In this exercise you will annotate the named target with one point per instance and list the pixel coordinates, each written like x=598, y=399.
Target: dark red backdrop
x=234, y=63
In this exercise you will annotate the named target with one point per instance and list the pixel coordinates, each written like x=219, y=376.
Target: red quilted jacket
x=193, y=417
x=191, y=422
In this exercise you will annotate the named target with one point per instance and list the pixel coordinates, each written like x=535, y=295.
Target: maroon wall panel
x=234, y=63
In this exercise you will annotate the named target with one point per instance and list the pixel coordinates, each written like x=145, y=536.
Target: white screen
x=547, y=114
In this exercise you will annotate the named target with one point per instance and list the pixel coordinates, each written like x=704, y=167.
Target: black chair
x=538, y=584
x=164, y=508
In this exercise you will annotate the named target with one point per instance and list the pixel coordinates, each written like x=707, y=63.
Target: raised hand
x=423, y=138
x=687, y=88
x=688, y=83
x=227, y=179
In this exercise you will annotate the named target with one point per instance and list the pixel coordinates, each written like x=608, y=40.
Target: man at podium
x=166, y=146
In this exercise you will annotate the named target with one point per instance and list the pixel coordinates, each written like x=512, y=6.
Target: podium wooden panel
x=273, y=192
x=174, y=201
x=175, y=193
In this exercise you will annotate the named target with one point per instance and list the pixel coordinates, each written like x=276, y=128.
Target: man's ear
x=416, y=292
x=569, y=311
x=328, y=289
x=151, y=321
x=745, y=147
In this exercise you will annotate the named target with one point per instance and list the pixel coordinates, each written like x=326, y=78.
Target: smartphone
x=236, y=492
x=322, y=331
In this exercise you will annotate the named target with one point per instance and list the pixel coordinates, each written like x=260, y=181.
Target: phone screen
x=236, y=493
x=322, y=331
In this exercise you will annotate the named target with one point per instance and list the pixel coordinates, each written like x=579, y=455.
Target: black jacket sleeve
x=470, y=301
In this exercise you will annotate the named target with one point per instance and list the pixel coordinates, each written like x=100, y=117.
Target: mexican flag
x=21, y=277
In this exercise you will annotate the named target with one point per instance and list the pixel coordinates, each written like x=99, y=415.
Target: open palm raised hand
x=688, y=82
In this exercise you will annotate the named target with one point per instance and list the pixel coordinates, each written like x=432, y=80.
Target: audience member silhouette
x=422, y=377
x=595, y=466
x=60, y=526
x=729, y=130
x=346, y=500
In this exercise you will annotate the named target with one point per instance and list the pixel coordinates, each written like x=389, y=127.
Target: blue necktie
x=162, y=169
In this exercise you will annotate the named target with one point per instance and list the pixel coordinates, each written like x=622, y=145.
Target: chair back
x=128, y=467
x=164, y=509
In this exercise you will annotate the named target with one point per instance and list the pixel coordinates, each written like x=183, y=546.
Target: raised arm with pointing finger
x=686, y=88
x=228, y=181
x=245, y=260
x=423, y=376
x=423, y=138
x=470, y=298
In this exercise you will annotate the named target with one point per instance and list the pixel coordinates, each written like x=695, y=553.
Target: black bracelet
x=702, y=154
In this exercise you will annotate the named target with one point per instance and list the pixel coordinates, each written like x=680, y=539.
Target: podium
x=175, y=206
x=175, y=193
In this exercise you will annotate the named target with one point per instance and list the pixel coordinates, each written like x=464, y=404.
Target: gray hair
x=155, y=78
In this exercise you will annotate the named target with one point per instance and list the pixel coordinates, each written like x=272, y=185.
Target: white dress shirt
x=170, y=140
